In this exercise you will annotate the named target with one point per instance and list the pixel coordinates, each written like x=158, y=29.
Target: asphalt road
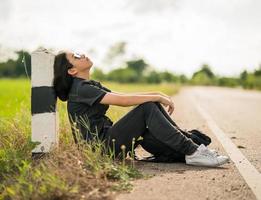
x=237, y=113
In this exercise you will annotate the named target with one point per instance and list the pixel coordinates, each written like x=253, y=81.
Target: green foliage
x=205, y=69
x=166, y=76
x=137, y=65
x=15, y=68
x=257, y=72
x=123, y=173
x=18, y=179
x=247, y=80
x=243, y=75
x=227, y=81
x=15, y=143
x=204, y=76
x=123, y=75
x=251, y=80
x=11, y=158
x=183, y=79
x=136, y=71
x=153, y=77
x=98, y=74
x=101, y=162
x=35, y=183
x=201, y=78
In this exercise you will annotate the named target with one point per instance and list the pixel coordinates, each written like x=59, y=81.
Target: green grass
x=15, y=94
x=69, y=171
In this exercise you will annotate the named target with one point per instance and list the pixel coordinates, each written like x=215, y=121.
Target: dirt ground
x=180, y=181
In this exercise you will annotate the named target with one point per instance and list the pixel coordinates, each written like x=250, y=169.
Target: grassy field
x=16, y=93
x=68, y=172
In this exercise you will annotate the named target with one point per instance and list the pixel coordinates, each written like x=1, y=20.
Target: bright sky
x=177, y=35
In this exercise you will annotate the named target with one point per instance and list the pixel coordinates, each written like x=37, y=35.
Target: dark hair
x=62, y=80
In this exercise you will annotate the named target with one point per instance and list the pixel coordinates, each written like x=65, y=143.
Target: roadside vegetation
x=70, y=171
x=246, y=80
x=137, y=70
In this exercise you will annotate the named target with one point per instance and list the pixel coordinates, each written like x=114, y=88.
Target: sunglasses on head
x=77, y=55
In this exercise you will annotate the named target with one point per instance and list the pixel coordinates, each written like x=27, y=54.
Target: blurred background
x=203, y=42
x=136, y=46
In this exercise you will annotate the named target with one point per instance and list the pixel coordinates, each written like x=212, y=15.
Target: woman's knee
x=148, y=104
x=146, y=107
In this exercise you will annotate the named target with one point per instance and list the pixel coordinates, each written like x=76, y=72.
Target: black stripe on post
x=43, y=99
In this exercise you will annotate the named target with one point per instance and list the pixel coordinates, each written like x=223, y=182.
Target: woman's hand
x=167, y=101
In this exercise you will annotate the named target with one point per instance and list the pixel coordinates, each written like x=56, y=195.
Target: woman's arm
x=144, y=93
x=120, y=99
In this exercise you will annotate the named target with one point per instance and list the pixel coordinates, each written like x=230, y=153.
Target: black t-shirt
x=85, y=109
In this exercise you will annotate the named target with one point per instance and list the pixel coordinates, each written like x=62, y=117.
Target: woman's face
x=80, y=62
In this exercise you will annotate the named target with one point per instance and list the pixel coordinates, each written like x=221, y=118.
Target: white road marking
x=246, y=169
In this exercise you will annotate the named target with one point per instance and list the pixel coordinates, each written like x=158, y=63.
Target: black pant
x=149, y=120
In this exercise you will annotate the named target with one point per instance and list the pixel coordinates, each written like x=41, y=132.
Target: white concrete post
x=45, y=116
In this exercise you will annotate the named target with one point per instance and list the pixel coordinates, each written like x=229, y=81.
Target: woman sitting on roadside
x=87, y=103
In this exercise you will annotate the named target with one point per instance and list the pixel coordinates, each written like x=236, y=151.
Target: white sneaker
x=206, y=157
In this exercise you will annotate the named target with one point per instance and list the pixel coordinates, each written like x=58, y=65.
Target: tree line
x=138, y=71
